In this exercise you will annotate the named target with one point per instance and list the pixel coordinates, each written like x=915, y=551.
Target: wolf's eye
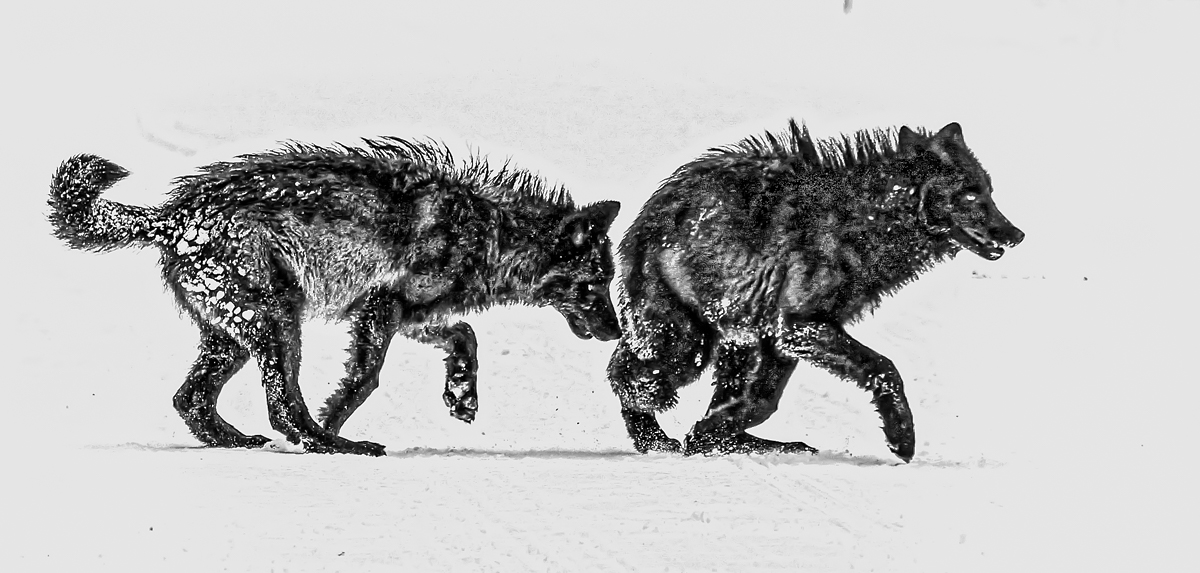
x=970, y=197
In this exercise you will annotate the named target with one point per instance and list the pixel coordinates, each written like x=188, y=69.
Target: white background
x=1053, y=390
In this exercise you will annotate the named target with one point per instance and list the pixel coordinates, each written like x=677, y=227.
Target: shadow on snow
x=822, y=458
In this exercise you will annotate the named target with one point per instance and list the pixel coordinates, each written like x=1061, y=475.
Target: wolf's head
x=955, y=193
x=581, y=268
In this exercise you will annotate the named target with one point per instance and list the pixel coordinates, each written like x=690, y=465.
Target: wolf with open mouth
x=755, y=256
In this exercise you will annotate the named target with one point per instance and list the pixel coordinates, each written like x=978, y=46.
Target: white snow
x=1051, y=390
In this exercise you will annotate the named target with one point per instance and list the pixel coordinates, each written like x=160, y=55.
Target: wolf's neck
x=516, y=259
x=894, y=241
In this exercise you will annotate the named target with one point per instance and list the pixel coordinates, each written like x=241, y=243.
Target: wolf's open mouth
x=976, y=242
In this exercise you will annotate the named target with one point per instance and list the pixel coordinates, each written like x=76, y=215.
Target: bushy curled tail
x=84, y=220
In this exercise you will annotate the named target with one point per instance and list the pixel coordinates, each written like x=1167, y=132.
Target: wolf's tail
x=84, y=220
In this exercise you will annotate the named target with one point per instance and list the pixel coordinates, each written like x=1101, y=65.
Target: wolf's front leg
x=221, y=356
x=375, y=323
x=648, y=382
x=643, y=390
x=458, y=340
x=828, y=346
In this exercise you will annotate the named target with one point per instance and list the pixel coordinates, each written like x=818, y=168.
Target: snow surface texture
x=1049, y=388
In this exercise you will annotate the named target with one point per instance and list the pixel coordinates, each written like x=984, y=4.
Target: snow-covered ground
x=1050, y=389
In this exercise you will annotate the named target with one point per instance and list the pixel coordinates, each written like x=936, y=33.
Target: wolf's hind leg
x=196, y=401
x=750, y=379
x=462, y=364
x=375, y=323
x=831, y=348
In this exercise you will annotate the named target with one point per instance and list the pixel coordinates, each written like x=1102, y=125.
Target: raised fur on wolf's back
x=395, y=237
x=756, y=256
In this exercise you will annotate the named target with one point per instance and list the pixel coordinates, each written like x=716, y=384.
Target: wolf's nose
x=1017, y=236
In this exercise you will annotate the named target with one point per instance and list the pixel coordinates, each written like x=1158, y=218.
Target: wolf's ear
x=952, y=131
x=590, y=221
x=909, y=140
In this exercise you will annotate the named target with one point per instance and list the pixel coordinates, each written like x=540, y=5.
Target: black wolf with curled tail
x=396, y=237
x=754, y=257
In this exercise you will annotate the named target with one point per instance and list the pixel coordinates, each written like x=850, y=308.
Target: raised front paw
x=462, y=407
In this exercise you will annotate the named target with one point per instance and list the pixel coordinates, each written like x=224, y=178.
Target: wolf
x=394, y=236
x=757, y=255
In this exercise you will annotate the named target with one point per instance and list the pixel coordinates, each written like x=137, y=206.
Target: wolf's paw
x=645, y=445
x=771, y=447
x=339, y=445
x=646, y=434
x=898, y=427
x=233, y=439
x=250, y=442
x=741, y=443
x=369, y=449
x=902, y=444
x=463, y=408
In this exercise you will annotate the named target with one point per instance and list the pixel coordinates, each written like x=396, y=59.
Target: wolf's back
x=84, y=220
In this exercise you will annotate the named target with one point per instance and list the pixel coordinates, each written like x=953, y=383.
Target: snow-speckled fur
x=396, y=237
x=756, y=255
